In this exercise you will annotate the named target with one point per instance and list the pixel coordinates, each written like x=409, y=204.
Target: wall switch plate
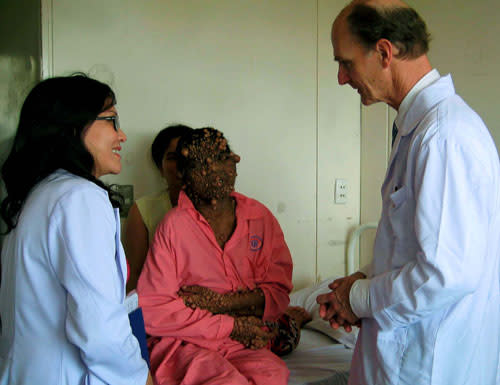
x=340, y=191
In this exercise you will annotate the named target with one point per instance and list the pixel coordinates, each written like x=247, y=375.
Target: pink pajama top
x=185, y=252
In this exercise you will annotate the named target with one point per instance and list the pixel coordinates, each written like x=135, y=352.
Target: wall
x=465, y=44
x=338, y=154
x=260, y=71
x=263, y=73
x=19, y=65
x=375, y=150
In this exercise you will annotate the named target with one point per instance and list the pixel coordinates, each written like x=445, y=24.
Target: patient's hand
x=239, y=303
x=203, y=298
x=249, y=332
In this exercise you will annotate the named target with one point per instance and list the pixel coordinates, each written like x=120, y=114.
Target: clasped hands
x=205, y=298
x=335, y=306
x=248, y=329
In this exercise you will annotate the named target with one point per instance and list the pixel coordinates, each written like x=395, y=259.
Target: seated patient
x=218, y=269
x=149, y=210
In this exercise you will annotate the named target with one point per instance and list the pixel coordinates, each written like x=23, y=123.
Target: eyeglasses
x=114, y=118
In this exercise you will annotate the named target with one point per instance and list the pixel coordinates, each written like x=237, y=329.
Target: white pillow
x=306, y=298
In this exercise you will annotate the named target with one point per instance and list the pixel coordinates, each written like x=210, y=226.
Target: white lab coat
x=62, y=293
x=434, y=289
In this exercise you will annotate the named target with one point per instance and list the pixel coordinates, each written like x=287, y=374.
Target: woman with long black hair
x=63, y=266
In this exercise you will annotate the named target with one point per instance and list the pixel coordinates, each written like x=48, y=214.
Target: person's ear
x=385, y=50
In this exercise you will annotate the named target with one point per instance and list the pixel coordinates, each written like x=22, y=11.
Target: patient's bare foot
x=300, y=315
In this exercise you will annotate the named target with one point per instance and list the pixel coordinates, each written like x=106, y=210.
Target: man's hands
x=335, y=306
x=250, y=332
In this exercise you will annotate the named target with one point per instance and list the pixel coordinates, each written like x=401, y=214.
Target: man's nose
x=342, y=76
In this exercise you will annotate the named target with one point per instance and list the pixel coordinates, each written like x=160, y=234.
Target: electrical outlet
x=340, y=191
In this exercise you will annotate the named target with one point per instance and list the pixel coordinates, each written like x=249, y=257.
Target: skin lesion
x=250, y=331
x=208, y=180
x=239, y=303
x=245, y=306
x=208, y=175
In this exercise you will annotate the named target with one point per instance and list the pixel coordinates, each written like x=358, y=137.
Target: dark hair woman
x=63, y=267
x=149, y=210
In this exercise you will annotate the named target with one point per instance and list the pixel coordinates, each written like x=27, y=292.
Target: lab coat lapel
x=423, y=103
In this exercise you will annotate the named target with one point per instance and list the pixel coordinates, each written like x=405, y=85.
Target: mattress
x=318, y=360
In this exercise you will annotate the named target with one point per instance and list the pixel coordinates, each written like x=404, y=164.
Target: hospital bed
x=323, y=356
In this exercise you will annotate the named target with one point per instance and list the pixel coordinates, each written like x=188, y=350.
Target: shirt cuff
x=359, y=297
x=366, y=270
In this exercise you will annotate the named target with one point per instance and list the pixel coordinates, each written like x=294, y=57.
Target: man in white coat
x=429, y=303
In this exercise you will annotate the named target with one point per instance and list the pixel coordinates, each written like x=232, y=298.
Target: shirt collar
x=245, y=207
x=427, y=80
x=184, y=202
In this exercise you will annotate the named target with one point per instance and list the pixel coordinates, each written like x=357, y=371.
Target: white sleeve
x=359, y=298
x=366, y=270
x=84, y=256
x=451, y=225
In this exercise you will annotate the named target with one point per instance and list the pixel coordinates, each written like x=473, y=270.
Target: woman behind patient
x=218, y=268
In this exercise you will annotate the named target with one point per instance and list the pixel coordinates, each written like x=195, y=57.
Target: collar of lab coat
x=429, y=78
x=424, y=101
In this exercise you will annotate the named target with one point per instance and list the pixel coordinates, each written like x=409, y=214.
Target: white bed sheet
x=324, y=355
x=318, y=361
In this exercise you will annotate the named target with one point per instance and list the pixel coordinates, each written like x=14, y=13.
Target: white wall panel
x=246, y=67
x=260, y=71
x=376, y=130
x=465, y=44
x=338, y=151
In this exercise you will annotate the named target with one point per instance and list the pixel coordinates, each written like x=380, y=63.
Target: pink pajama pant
x=193, y=365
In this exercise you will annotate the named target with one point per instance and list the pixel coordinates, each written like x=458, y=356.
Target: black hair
x=53, y=120
x=402, y=26
x=163, y=139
